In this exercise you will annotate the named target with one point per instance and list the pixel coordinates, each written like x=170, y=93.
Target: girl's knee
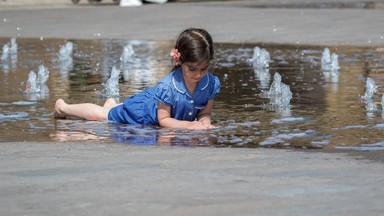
x=110, y=103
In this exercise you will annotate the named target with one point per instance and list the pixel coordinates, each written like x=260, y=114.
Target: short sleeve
x=164, y=94
x=215, y=87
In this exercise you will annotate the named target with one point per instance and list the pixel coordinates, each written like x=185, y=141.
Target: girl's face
x=193, y=72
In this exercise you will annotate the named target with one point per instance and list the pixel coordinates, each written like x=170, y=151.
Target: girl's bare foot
x=110, y=103
x=58, y=105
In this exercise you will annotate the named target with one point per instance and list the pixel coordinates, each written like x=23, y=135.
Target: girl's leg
x=86, y=111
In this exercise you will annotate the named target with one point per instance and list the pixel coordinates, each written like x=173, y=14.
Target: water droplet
x=18, y=31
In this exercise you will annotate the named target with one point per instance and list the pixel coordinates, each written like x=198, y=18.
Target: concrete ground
x=228, y=21
x=112, y=179
x=87, y=178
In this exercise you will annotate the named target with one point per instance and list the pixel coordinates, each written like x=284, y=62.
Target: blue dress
x=171, y=90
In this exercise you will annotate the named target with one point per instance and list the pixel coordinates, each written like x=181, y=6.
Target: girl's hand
x=209, y=126
x=196, y=125
x=165, y=120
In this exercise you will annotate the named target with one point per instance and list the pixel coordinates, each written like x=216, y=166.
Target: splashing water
x=279, y=93
x=9, y=50
x=334, y=62
x=5, y=53
x=382, y=106
x=42, y=75
x=111, y=87
x=36, y=83
x=382, y=102
x=275, y=88
x=370, y=89
x=66, y=51
x=65, y=56
x=329, y=62
x=325, y=58
x=126, y=72
x=264, y=76
x=127, y=54
x=261, y=58
x=13, y=48
x=31, y=83
x=127, y=57
x=371, y=107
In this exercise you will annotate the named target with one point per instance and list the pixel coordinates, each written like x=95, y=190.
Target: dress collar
x=178, y=81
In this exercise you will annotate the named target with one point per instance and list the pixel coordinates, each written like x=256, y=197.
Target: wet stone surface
x=326, y=110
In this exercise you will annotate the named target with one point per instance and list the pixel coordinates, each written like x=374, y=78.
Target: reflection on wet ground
x=326, y=109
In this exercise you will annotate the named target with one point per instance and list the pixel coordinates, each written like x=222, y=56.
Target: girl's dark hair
x=194, y=45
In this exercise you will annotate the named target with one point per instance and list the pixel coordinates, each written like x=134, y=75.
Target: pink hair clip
x=175, y=54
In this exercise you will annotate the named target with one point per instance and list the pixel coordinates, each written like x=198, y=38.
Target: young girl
x=182, y=99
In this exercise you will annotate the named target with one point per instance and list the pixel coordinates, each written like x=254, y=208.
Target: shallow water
x=326, y=109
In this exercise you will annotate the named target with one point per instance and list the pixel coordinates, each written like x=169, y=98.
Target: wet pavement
x=90, y=178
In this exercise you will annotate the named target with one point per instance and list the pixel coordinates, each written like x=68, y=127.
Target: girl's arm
x=165, y=119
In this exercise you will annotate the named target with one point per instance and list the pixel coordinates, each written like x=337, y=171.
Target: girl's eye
x=192, y=69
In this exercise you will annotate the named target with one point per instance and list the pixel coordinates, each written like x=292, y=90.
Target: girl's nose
x=201, y=73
